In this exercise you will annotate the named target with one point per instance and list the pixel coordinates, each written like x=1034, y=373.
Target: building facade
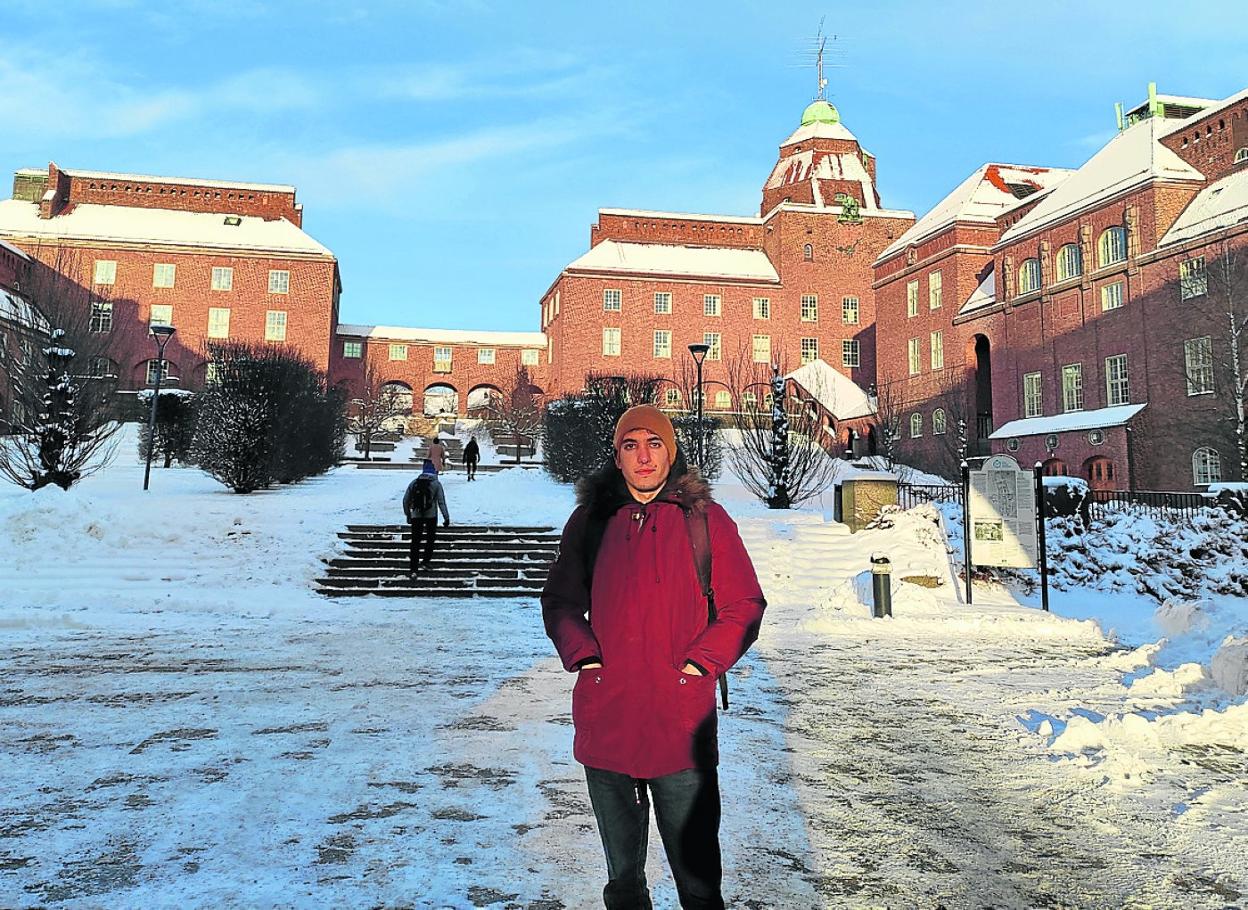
x=1089, y=329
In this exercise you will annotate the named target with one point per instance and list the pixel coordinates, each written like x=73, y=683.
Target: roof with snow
x=681, y=216
x=981, y=198
x=14, y=250
x=983, y=296
x=815, y=165
x=443, y=336
x=839, y=395
x=125, y=224
x=1219, y=205
x=1131, y=159
x=671, y=259
x=1074, y=422
x=1208, y=106
x=16, y=309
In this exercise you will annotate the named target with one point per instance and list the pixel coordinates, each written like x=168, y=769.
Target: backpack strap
x=700, y=544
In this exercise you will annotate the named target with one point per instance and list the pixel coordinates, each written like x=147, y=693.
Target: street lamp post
x=699, y=351
x=162, y=334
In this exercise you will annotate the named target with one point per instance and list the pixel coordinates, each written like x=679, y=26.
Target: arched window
x=102, y=368
x=1069, y=262
x=939, y=422
x=1029, y=276
x=916, y=426
x=723, y=400
x=672, y=398
x=1112, y=247
x=1206, y=466
x=1054, y=467
x=398, y=394
x=749, y=401
x=1241, y=155
x=808, y=253
x=170, y=375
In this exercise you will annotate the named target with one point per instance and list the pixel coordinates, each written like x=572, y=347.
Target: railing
x=910, y=495
x=1153, y=503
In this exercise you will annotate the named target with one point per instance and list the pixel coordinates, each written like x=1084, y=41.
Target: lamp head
x=699, y=352
x=161, y=332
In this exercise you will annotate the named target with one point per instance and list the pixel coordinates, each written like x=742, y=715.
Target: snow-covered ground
x=184, y=723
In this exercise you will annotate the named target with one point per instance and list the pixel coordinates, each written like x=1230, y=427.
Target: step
x=462, y=529
x=399, y=567
x=463, y=586
x=424, y=592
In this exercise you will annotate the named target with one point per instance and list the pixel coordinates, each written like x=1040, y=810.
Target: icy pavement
x=247, y=744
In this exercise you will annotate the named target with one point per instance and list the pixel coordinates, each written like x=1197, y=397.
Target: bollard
x=881, y=586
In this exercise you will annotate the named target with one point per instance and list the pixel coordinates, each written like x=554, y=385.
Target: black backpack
x=424, y=494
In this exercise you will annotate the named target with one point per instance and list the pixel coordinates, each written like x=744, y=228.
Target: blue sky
x=454, y=154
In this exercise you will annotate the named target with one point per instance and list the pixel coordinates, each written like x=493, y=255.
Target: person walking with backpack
x=651, y=600
x=472, y=455
x=422, y=501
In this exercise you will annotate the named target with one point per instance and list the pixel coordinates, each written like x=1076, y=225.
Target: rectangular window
x=1072, y=387
x=163, y=274
x=1193, y=282
x=711, y=304
x=1117, y=388
x=154, y=370
x=275, y=325
x=353, y=349
x=761, y=348
x=485, y=355
x=101, y=316
x=711, y=340
x=938, y=350
x=1198, y=361
x=1111, y=296
x=662, y=303
x=810, y=308
x=810, y=350
x=915, y=357
x=662, y=343
x=442, y=359
x=162, y=314
x=762, y=307
x=1033, y=396
x=279, y=281
x=611, y=342
x=849, y=353
x=218, y=322
x=912, y=298
x=935, y=282
x=222, y=278
x=100, y=367
x=398, y=352
x=105, y=271
x=612, y=300
x=530, y=357
x=212, y=373
x=849, y=310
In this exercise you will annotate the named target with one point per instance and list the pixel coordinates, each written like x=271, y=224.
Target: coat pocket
x=588, y=696
x=696, y=697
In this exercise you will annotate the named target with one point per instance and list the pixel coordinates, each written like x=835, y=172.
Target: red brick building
x=1085, y=331
x=214, y=259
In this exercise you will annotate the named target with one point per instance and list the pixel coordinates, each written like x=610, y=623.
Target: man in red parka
x=625, y=609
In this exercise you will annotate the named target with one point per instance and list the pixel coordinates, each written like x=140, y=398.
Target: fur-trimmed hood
x=605, y=491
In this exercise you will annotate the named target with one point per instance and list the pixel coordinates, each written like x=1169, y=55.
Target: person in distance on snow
x=421, y=502
x=625, y=606
x=437, y=454
x=472, y=455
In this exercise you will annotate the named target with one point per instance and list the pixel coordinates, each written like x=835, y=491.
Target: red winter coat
x=639, y=714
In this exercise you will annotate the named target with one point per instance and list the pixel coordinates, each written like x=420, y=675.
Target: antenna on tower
x=821, y=53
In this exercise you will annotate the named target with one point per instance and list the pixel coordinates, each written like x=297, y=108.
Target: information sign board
x=1002, y=515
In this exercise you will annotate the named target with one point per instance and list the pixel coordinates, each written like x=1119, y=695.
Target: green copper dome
x=820, y=112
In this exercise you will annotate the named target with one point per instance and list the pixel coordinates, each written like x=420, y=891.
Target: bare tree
x=376, y=406
x=62, y=426
x=953, y=397
x=517, y=412
x=779, y=454
x=890, y=407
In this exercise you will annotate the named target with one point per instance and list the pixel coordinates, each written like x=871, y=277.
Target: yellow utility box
x=864, y=495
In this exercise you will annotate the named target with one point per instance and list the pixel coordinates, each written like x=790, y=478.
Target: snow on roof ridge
x=819, y=130
x=1214, y=107
x=984, y=295
x=1222, y=204
x=682, y=216
x=1130, y=159
x=840, y=396
x=955, y=206
x=129, y=224
x=13, y=249
x=1073, y=421
x=462, y=336
x=677, y=260
x=189, y=181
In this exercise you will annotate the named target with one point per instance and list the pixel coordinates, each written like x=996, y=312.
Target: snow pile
x=1229, y=666
x=1159, y=555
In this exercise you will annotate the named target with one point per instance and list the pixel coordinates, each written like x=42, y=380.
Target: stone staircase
x=468, y=561
x=454, y=453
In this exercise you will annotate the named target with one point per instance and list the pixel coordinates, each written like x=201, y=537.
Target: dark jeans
x=686, y=807
x=471, y=468
x=428, y=529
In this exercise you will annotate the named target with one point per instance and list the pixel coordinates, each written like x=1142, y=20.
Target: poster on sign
x=1002, y=515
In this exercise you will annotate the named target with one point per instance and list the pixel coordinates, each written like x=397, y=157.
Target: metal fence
x=910, y=495
x=1154, y=503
